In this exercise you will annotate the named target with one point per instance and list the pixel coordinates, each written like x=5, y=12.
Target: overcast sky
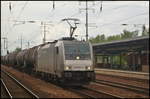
x=108, y=21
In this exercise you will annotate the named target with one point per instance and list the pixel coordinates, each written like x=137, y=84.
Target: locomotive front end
x=78, y=62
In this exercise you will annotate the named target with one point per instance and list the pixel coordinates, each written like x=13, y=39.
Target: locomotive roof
x=75, y=41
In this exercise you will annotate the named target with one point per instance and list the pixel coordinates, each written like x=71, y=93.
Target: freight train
x=67, y=61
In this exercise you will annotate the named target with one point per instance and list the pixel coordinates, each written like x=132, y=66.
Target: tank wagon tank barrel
x=30, y=57
x=20, y=57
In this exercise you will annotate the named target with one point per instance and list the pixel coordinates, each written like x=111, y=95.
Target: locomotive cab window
x=77, y=51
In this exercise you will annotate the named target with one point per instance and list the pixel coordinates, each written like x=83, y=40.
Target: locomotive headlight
x=88, y=67
x=77, y=57
x=67, y=67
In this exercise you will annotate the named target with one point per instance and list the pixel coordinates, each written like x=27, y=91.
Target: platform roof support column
x=140, y=61
x=120, y=61
x=111, y=61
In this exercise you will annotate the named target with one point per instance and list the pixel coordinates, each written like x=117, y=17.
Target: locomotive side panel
x=59, y=58
x=45, y=59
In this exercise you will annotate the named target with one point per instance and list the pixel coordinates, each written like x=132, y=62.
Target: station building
x=129, y=54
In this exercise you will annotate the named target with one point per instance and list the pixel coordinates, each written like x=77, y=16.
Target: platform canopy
x=128, y=45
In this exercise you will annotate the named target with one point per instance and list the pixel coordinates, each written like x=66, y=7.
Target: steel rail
x=89, y=95
x=82, y=93
x=28, y=90
x=9, y=94
x=124, y=86
x=102, y=92
x=126, y=74
x=122, y=71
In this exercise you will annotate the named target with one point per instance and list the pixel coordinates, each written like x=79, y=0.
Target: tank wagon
x=12, y=58
x=67, y=61
x=5, y=60
x=30, y=58
x=20, y=57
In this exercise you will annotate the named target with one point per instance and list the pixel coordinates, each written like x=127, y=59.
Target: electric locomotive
x=67, y=60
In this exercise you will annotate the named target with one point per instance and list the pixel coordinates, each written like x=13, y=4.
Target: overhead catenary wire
x=128, y=18
x=52, y=14
x=106, y=9
x=30, y=39
x=80, y=13
x=10, y=16
x=77, y=13
x=54, y=10
x=115, y=8
x=21, y=10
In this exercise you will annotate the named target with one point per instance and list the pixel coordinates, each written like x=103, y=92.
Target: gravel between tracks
x=41, y=88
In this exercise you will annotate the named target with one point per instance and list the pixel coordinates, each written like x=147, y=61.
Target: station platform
x=138, y=75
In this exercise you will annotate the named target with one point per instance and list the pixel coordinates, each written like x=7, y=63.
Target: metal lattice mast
x=86, y=20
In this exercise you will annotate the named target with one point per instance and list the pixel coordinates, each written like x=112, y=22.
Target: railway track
x=122, y=77
x=124, y=86
x=92, y=93
x=122, y=73
x=14, y=89
x=4, y=90
x=141, y=85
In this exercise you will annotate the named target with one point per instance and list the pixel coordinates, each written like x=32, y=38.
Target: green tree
x=127, y=34
x=113, y=38
x=17, y=49
x=98, y=38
